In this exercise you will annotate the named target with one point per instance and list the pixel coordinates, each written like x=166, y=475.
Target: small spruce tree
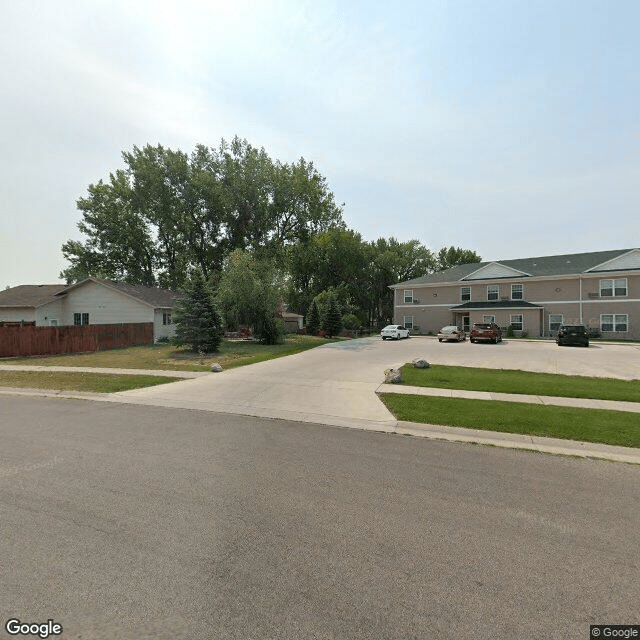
x=313, y=319
x=198, y=323
x=332, y=320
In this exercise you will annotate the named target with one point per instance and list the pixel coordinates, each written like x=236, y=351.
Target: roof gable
x=625, y=262
x=495, y=270
x=150, y=296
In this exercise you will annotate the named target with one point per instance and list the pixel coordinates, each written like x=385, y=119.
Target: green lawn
x=588, y=425
x=512, y=381
x=70, y=381
x=167, y=357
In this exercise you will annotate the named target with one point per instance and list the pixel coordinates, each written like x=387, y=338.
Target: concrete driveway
x=336, y=383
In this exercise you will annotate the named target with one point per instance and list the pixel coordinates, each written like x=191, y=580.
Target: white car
x=396, y=331
x=451, y=332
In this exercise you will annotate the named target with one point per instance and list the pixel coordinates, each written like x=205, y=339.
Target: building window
x=614, y=322
x=517, y=292
x=610, y=288
x=488, y=318
x=465, y=293
x=407, y=321
x=80, y=319
x=555, y=320
x=166, y=318
x=493, y=292
x=516, y=322
x=408, y=296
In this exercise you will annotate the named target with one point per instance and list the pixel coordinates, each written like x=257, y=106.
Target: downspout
x=580, y=280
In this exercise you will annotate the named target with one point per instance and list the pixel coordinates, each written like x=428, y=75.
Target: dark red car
x=488, y=331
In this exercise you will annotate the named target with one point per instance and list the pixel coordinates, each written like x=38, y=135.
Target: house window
x=408, y=296
x=516, y=322
x=555, y=320
x=517, y=292
x=614, y=322
x=488, y=318
x=80, y=319
x=609, y=288
x=493, y=292
x=407, y=321
x=465, y=293
x=166, y=318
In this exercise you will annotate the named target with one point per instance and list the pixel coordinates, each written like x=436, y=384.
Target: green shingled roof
x=566, y=264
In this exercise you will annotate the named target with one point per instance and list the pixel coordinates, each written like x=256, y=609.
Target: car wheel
x=586, y=344
x=384, y=337
x=559, y=342
x=439, y=339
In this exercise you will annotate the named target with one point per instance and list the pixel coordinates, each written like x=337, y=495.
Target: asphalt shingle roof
x=33, y=295
x=566, y=264
x=29, y=295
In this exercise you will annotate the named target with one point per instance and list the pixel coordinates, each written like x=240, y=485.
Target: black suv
x=573, y=334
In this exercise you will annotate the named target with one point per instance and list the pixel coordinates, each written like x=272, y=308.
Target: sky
x=507, y=127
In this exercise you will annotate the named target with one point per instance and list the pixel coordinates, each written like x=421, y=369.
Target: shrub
x=273, y=331
x=351, y=321
x=510, y=332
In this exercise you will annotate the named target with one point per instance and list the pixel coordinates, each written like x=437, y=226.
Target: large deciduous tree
x=248, y=293
x=451, y=256
x=167, y=212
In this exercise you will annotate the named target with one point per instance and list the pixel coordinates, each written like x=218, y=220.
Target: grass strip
x=514, y=381
x=587, y=425
x=70, y=381
x=168, y=357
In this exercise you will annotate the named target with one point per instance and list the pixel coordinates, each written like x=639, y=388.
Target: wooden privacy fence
x=47, y=341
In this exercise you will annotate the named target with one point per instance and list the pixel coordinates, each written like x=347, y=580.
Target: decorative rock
x=393, y=376
x=421, y=363
x=216, y=367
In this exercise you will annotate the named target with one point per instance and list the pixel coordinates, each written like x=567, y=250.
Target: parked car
x=451, y=332
x=488, y=331
x=396, y=331
x=573, y=334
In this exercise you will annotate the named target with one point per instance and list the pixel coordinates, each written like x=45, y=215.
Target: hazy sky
x=506, y=127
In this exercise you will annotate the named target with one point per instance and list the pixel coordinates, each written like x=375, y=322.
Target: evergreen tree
x=198, y=322
x=313, y=319
x=332, y=320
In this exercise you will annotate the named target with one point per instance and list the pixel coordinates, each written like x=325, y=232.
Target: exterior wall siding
x=17, y=314
x=104, y=306
x=161, y=330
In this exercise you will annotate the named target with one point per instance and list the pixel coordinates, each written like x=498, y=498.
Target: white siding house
x=92, y=301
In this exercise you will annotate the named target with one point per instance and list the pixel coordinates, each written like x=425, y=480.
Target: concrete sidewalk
x=580, y=403
x=130, y=372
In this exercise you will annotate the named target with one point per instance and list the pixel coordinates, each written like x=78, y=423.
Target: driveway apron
x=336, y=383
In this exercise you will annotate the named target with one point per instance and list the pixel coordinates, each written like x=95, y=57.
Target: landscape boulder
x=216, y=367
x=393, y=376
x=421, y=363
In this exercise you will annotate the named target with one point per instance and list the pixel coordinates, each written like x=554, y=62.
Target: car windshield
x=574, y=328
x=449, y=329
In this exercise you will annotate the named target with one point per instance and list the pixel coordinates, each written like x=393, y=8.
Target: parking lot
x=605, y=360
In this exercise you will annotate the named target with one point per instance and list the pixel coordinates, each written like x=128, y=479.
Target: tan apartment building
x=532, y=295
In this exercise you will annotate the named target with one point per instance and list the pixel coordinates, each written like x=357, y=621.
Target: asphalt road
x=125, y=521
